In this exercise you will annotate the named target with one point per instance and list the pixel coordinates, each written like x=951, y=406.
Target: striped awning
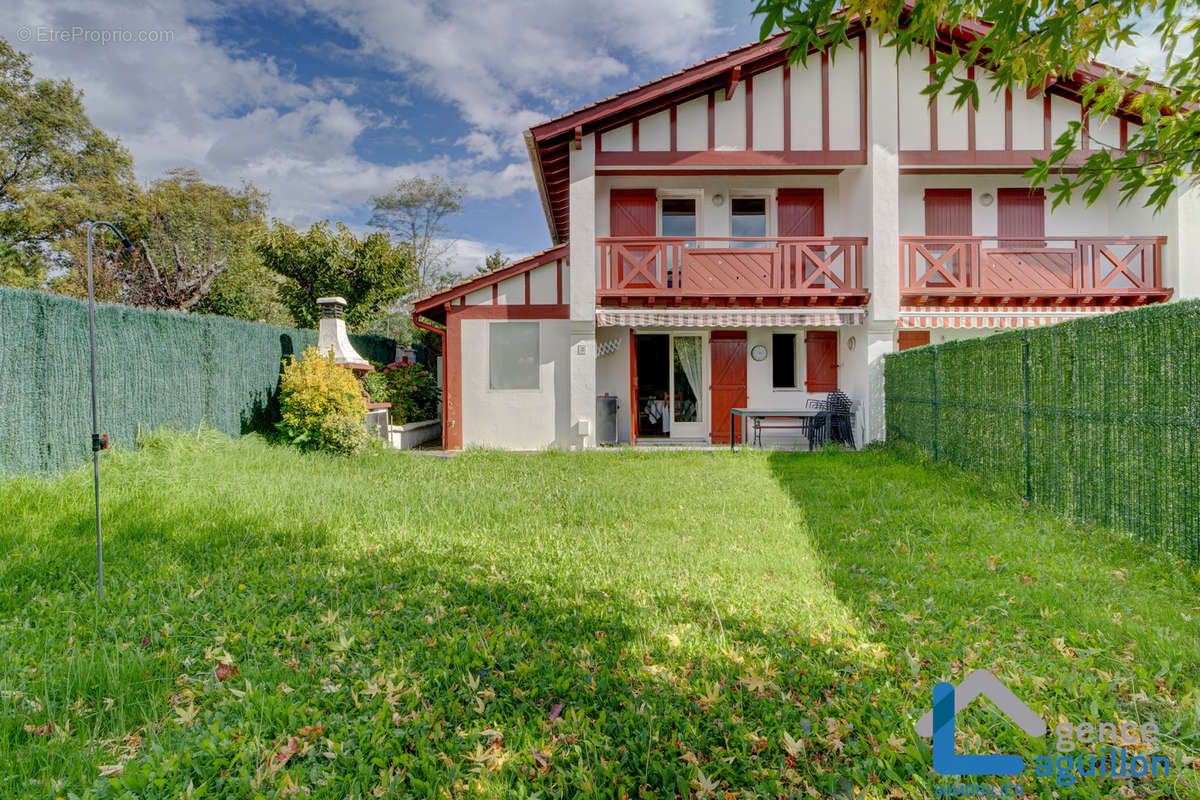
x=993, y=316
x=727, y=317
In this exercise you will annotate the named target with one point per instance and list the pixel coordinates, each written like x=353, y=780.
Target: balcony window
x=749, y=218
x=678, y=216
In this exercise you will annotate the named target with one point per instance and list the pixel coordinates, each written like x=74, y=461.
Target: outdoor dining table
x=765, y=413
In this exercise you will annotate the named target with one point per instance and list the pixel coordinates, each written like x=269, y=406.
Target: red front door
x=728, y=381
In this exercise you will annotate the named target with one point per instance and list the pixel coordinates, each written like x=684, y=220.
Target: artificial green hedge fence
x=1096, y=418
x=154, y=368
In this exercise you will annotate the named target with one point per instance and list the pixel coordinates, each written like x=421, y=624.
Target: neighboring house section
x=506, y=379
x=752, y=232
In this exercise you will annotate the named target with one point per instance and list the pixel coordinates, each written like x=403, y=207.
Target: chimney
x=332, y=333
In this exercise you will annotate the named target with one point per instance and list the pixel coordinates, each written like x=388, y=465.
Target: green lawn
x=602, y=624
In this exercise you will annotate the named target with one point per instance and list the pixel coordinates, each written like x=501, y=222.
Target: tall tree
x=416, y=211
x=191, y=238
x=56, y=168
x=1030, y=44
x=370, y=272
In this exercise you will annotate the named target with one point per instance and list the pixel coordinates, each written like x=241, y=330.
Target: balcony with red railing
x=780, y=271
x=1053, y=270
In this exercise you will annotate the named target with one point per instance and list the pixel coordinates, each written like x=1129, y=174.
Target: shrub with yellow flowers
x=322, y=404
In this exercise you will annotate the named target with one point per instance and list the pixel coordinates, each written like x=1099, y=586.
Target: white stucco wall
x=516, y=419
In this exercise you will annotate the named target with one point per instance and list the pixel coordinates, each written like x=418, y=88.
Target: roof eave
x=535, y=160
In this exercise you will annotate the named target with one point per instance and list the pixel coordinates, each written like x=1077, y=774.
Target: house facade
x=750, y=232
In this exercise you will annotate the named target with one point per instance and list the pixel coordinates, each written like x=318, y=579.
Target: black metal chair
x=832, y=421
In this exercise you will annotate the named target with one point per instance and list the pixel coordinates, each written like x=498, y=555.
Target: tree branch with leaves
x=1026, y=45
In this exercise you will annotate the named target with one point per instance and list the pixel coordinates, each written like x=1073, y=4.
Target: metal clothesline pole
x=98, y=442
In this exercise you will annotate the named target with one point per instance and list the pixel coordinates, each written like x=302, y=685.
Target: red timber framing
x=715, y=79
x=443, y=312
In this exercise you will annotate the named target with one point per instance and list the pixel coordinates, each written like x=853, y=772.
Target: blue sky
x=324, y=103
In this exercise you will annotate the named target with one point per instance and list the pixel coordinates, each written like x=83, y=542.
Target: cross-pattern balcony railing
x=824, y=270
x=1056, y=270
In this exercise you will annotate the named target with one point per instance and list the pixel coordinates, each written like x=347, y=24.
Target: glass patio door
x=687, y=386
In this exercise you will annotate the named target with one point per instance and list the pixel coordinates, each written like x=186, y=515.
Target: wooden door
x=913, y=339
x=801, y=213
x=820, y=361
x=632, y=212
x=1021, y=217
x=948, y=213
x=728, y=349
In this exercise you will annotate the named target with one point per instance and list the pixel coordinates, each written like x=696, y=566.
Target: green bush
x=412, y=391
x=321, y=404
x=376, y=385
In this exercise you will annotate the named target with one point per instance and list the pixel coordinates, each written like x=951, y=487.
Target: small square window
x=678, y=216
x=514, y=355
x=749, y=216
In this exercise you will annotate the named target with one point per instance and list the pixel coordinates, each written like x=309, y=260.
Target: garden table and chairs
x=820, y=421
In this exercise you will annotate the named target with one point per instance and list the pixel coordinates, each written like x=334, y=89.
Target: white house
x=752, y=233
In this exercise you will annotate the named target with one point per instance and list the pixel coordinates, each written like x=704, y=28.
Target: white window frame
x=768, y=198
x=680, y=194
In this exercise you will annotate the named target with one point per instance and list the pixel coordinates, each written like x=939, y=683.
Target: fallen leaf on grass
x=280, y=757
x=704, y=786
x=794, y=747
x=555, y=711
x=226, y=671
x=111, y=770
x=992, y=561
x=186, y=716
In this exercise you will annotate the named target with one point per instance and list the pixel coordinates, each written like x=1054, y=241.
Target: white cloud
x=185, y=101
x=506, y=66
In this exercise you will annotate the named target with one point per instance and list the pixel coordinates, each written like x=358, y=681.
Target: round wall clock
x=758, y=352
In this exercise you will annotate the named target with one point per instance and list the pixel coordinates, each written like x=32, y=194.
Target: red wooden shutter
x=631, y=212
x=820, y=359
x=947, y=212
x=801, y=212
x=913, y=339
x=1021, y=216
